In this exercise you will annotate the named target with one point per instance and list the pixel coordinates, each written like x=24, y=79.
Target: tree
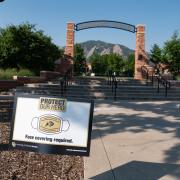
x=24, y=46
x=99, y=64
x=156, y=54
x=129, y=65
x=79, y=60
x=172, y=54
x=115, y=63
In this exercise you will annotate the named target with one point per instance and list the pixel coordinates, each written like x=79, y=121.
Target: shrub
x=178, y=77
x=9, y=73
x=25, y=72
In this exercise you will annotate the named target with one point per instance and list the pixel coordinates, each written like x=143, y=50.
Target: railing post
x=108, y=79
x=158, y=85
x=147, y=75
x=115, y=88
x=152, y=80
x=166, y=90
x=67, y=80
x=142, y=71
x=112, y=84
x=62, y=87
x=65, y=83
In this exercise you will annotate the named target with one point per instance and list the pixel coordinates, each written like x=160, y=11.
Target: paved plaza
x=135, y=140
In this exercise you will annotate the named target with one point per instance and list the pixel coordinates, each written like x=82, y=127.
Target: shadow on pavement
x=138, y=120
x=164, y=118
x=142, y=171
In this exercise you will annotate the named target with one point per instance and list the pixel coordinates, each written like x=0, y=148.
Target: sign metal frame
x=51, y=148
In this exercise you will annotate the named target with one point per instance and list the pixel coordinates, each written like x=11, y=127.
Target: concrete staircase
x=98, y=88
x=128, y=88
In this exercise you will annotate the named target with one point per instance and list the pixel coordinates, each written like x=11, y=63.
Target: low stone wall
x=48, y=75
x=21, y=80
x=168, y=76
x=9, y=84
x=26, y=80
x=175, y=83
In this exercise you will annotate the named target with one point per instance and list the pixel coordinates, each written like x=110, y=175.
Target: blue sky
x=161, y=18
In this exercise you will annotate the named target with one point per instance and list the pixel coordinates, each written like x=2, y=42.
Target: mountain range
x=90, y=47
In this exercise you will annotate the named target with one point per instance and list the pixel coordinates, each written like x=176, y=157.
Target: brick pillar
x=69, y=50
x=140, y=53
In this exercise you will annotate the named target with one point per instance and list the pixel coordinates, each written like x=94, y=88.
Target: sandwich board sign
x=51, y=124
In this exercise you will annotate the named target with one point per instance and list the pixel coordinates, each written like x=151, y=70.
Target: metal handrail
x=65, y=81
x=145, y=70
x=159, y=77
x=112, y=81
x=163, y=82
x=115, y=83
x=109, y=76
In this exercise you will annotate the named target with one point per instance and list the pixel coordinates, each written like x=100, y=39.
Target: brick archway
x=140, y=53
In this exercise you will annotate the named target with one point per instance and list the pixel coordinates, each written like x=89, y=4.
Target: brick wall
x=69, y=50
x=140, y=54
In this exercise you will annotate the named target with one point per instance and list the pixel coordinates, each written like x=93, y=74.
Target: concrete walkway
x=134, y=140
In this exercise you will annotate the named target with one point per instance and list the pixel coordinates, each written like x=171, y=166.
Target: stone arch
x=140, y=54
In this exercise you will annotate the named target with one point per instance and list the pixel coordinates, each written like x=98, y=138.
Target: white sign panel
x=47, y=123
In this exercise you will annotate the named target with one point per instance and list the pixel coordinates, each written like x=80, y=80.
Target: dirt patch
x=21, y=165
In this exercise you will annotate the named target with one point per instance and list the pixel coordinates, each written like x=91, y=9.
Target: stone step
x=111, y=96
x=119, y=86
x=125, y=94
x=121, y=90
x=103, y=95
x=125, y=97
x=104, y=83
x=100, y=90
x=124, y=90
x=85, y=87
